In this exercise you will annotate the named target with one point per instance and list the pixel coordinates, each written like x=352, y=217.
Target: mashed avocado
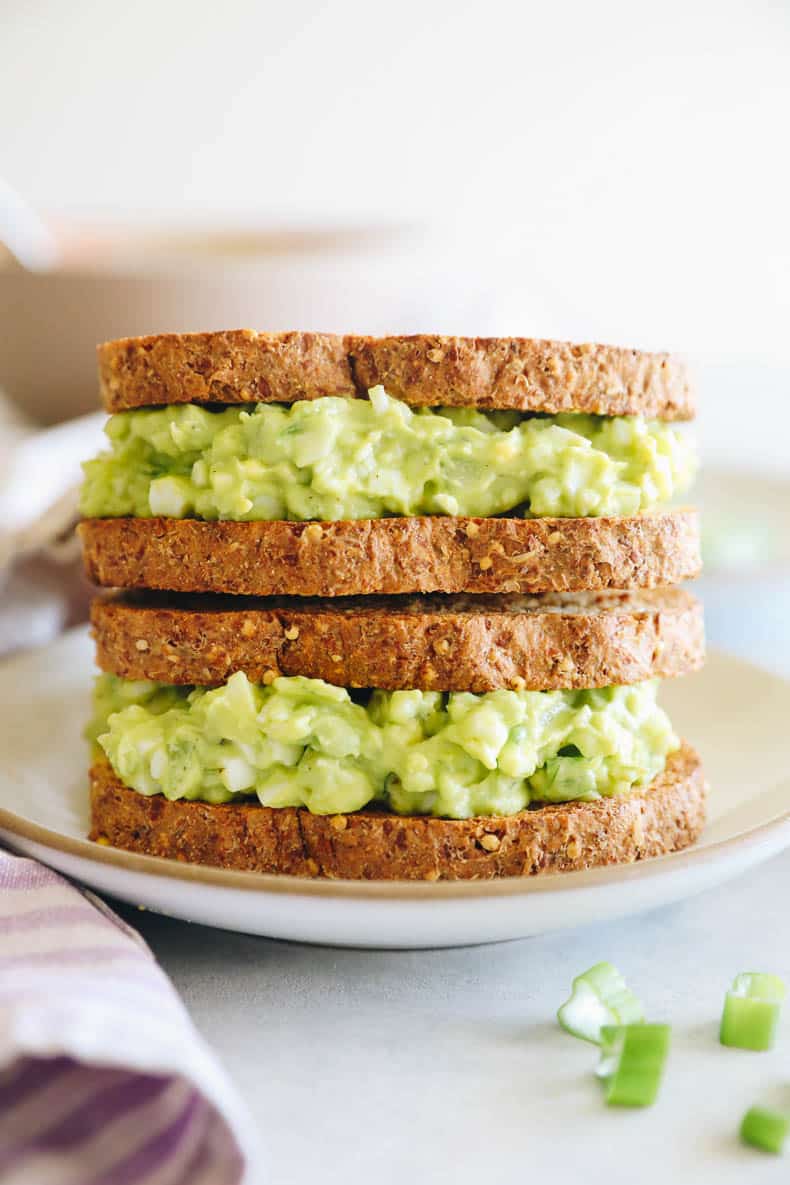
x=303, y=742
x=336, y=458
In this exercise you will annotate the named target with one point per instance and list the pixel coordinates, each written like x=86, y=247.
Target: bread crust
x=664, y=817
x=526, y=374
x=393, y=555
x=435, y=643
x=243, y=366
x=237, y=366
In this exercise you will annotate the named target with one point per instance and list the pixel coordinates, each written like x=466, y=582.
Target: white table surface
x=448, y=1067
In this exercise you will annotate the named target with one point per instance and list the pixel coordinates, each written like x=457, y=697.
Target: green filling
x=303, y=742
x=335, y=458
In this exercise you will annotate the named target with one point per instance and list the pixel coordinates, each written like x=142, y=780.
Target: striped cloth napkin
x=103, y=1078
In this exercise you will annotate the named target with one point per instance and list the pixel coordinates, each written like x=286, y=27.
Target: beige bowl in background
x=118, y=284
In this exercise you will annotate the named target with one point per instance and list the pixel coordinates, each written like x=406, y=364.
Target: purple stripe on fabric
x=49, y=916
x=17, y=875
x=226, y=1166
x=30, y=1074
x=74, y=958
x=102, y=1108
x=150, y=1156
x=144, y=1127
x=201, y=1159
x=211, y=1163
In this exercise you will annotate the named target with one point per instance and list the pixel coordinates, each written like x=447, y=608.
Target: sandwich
x=391, y=608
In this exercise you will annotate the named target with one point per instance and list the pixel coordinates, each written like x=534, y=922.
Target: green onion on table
x=765, y=1129
x=599, y=997
x=603, y=1010
x=632, y=1063
x=751, y=1011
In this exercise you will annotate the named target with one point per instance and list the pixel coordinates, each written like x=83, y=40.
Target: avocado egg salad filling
x=300, y=742
x=335, y=458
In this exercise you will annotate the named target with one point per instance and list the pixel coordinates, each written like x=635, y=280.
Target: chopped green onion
x=751, y=1011
x=765, y=1129
x=599, y=997
x=632, y=1063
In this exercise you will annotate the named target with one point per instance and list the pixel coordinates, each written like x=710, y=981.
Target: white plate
x=735, y=713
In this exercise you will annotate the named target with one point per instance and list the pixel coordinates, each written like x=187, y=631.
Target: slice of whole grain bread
x=243, y=366
x=665, y=816
x=393, y=555
x=529, y=375
x=434, y=643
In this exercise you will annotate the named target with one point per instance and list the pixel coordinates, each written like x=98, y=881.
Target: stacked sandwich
x=391, y=608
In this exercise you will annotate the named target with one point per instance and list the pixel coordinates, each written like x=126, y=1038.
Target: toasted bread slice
x=242, y=366
x=393, y=555
x=434, y=643
x=528, y=375
x=238, y=366
x=665, y=816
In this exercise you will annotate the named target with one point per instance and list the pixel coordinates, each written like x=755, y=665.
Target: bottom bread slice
x=665, y=816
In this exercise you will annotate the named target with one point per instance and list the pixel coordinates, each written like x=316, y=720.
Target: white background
x=619, y=168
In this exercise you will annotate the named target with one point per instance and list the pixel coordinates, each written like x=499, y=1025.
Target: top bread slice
x=243, y=366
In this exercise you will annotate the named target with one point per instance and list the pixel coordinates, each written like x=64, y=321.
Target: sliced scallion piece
x=632, y=1063
x=765, y=1129
x=751, y=1011
x=599, y=997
